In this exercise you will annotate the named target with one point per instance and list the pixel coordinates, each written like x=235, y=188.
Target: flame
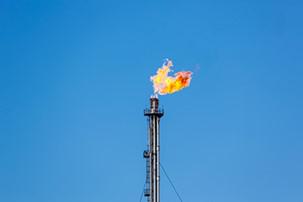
x=164, y=84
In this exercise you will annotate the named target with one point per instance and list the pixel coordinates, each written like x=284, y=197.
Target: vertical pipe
x=158, y=160
x=154, y=160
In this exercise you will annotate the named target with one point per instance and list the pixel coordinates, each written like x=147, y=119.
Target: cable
x=171, y=183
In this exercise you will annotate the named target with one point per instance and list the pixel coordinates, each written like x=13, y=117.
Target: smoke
x=164, y=84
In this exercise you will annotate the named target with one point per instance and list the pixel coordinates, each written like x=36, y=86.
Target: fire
x=164, y=84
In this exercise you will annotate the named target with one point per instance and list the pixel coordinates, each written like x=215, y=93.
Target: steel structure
x=152, y=154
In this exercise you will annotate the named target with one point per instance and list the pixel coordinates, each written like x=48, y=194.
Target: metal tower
x=152, y=154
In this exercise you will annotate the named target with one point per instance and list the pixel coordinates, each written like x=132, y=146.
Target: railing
x=153, y=111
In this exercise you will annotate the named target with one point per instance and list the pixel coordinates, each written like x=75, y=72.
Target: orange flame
x=164, y=84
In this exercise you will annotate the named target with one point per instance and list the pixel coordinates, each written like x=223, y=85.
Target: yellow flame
x=164, y=84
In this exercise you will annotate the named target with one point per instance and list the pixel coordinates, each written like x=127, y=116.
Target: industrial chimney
x=152, y=154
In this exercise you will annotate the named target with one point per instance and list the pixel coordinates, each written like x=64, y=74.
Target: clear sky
x=74, y=80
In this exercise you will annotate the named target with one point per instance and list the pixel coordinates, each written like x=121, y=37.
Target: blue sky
x=74, y=80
